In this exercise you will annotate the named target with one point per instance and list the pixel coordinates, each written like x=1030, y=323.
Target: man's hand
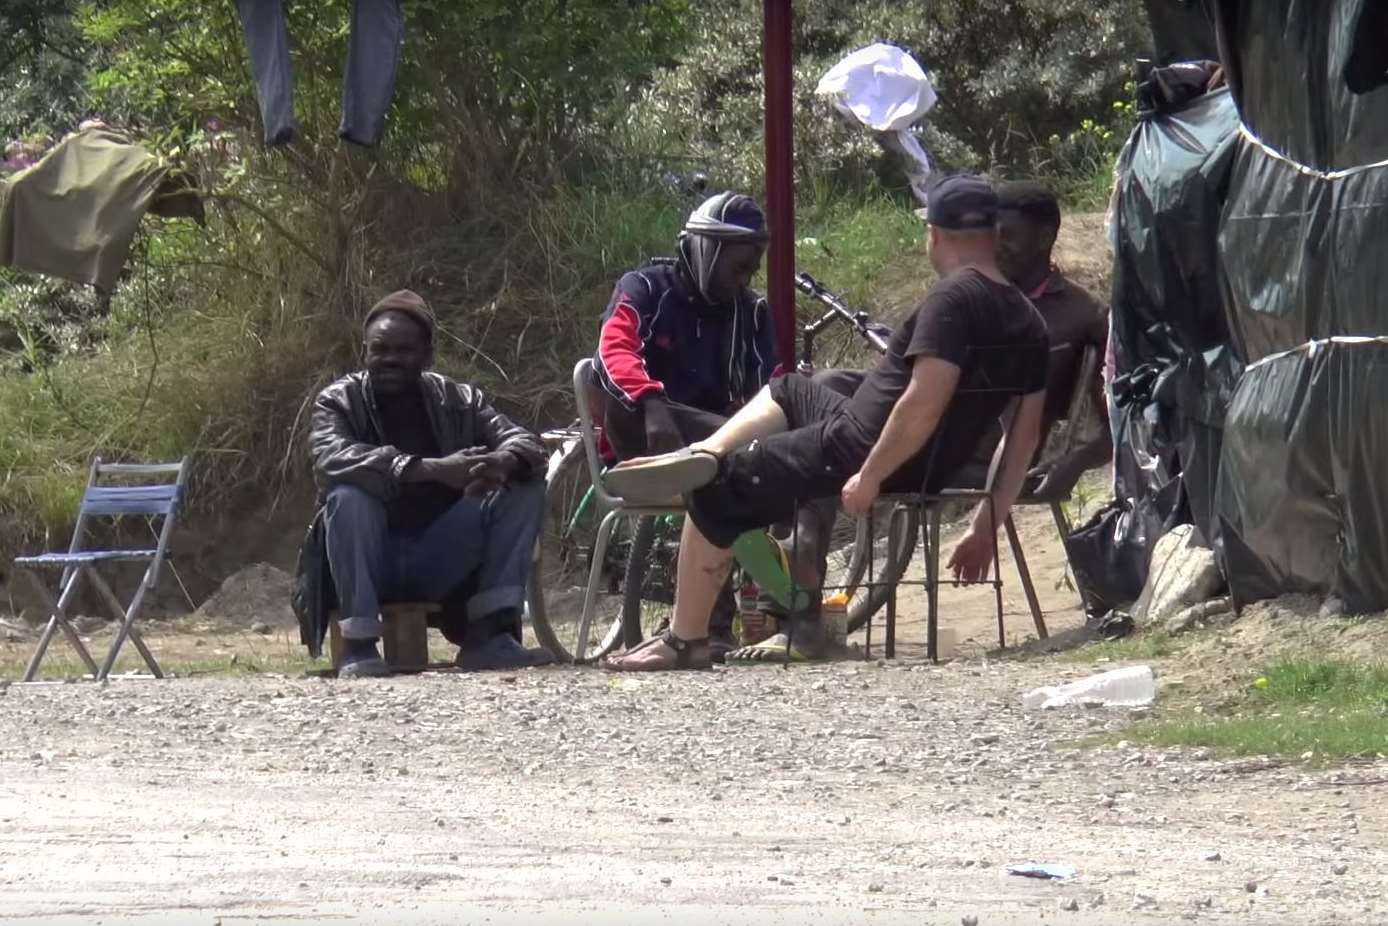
x=662, y=433
x=1053, y=481
x=488, y=472
x=859, y=492
x=472, y=471
x=972, y=557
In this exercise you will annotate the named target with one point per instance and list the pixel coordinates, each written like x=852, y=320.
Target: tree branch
x=286, y=233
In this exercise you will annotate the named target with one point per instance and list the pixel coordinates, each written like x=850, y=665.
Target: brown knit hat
x=407, y=302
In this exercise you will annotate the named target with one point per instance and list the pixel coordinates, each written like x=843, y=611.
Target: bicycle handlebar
x=860, y=321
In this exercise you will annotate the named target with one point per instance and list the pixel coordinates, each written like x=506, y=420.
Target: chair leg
x=893, y=533
x=997, y=572
x=871, y=576
x=57, y=620
x=932, y=582
x=1062, y=523
x=590, y=594
x=127, y=618
x=1023, y=573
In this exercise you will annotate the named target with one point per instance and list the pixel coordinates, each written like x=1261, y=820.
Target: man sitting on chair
x=426, y=489
x=1028, y=223
x=798, y=440
x=685, y=343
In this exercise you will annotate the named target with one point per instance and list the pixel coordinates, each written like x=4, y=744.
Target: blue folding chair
x=158, y=500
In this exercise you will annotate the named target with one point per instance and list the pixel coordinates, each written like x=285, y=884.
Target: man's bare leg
x=702, y=571
x=700, y=574
x=761, y=417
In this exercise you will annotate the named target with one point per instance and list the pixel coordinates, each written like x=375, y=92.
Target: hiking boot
x=500, y=651
x=361, y=659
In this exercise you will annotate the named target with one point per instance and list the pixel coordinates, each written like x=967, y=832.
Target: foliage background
x=535, y=149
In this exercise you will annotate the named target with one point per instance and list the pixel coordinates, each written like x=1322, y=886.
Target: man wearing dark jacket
x=425, y=488
x=685, y=343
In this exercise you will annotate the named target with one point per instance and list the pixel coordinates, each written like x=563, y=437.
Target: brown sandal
x=646, y=657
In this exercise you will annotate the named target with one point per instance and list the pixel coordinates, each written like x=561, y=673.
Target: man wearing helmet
x=685, y=343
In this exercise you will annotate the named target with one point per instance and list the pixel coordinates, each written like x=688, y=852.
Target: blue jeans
x=373, y=56
x=491, y=539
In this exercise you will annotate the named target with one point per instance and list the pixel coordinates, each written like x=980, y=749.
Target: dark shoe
x=720, y=644
x=361, y=659
x=1111, y=626
x=500, y=651
x=807, y=634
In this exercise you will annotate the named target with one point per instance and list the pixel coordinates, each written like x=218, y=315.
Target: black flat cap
x=962, y=201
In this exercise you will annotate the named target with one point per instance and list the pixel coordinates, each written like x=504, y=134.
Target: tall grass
x=220, y=356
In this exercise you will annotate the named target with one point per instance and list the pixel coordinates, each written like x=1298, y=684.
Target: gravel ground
x=852, y=793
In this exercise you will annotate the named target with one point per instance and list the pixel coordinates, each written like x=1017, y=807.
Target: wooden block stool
x=405, y=635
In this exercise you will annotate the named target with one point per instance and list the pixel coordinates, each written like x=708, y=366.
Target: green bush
x=1011, y=77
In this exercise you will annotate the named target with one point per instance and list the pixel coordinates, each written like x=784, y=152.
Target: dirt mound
x=1082, y=252
x=1292, y=625
x=258, y=593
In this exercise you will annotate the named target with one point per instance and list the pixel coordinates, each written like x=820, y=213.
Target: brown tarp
x=74, y=213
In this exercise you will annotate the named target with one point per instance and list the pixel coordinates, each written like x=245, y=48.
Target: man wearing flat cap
x=425, y=489
x=975, y=351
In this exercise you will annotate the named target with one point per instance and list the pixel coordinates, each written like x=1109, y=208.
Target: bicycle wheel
x=887, y=565
x=649, y=588
x=563, y=559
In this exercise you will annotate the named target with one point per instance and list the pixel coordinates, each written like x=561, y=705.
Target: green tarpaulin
x=74, y=213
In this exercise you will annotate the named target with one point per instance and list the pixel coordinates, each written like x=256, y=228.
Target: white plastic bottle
x=1134, y=686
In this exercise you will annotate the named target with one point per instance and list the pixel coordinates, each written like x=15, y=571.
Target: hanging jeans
x=373, y=56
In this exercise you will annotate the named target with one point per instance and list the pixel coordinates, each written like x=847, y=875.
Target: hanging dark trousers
x=373, y=57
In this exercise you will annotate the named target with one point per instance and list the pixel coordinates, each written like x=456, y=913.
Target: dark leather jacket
x=347, y=447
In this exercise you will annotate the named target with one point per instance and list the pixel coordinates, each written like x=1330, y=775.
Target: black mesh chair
x=969, y=484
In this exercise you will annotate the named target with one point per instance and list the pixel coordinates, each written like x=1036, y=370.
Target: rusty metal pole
x=780, y=174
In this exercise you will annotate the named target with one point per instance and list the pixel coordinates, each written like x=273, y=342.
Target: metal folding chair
x=149, y=499
x=1085, y=365
x=929, y=502
x=614, y=506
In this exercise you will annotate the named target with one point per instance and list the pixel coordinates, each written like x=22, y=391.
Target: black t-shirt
x=407, y=428
x=987, y=329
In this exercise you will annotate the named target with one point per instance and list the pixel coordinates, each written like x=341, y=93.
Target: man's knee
x=351, y=504
x=844, y=382
x=526, y=498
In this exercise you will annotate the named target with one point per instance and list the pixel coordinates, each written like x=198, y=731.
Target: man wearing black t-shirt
x=904, y=428
x=425, y=490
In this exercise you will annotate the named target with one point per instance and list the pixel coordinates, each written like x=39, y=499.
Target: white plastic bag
x=880, y=87
x=1134, y=686
x=884, y=89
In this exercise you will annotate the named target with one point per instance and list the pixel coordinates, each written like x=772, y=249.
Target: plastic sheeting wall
x=1168, y=315
x=1303, y=489
x=1303, y=253
x=1295, y=67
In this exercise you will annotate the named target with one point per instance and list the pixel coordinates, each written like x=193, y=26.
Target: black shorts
x=762, y=484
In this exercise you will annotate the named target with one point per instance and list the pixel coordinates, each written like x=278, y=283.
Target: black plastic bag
x=1302, y=494
x=1111, y=552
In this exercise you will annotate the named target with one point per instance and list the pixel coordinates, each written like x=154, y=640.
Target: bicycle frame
x=860, y=322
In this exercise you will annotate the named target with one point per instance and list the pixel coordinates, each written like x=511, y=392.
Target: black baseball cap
x=962, y=201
